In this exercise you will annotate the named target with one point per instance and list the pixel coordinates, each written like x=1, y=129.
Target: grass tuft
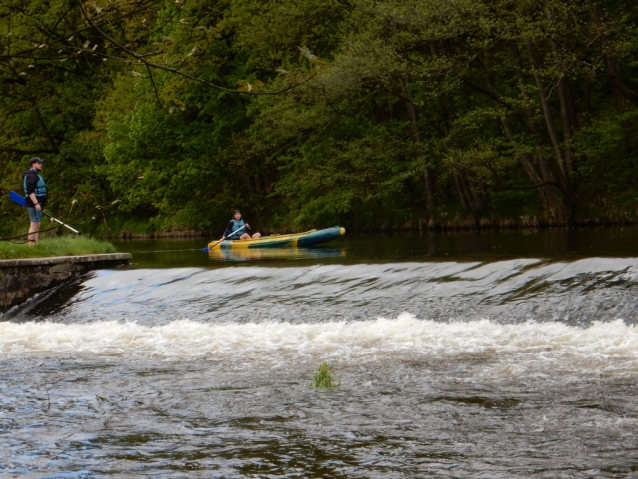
x=64, y=246
x=323, y=378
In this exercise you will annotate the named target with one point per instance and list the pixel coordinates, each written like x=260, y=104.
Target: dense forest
x=159, y=115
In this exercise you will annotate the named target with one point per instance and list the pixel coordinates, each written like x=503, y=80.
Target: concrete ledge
x=21, y=279
x=89, y=258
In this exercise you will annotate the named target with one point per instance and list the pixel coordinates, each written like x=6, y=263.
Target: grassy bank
x=65, y=246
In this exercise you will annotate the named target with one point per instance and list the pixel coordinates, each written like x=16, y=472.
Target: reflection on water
x=255, y=254
x=427, y=246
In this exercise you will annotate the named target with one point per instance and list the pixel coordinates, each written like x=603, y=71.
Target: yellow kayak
x=309, y=238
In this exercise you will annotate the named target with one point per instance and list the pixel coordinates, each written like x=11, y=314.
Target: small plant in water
x=323, y=378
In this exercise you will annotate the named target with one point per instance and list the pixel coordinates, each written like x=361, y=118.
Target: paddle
x=16, y=198
x=207, y=249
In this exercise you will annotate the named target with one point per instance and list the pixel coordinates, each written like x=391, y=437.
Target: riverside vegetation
x=63, y=246
x=165, y=115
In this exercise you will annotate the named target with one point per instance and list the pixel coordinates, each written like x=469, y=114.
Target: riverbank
x=50, y=247
x=440, y=223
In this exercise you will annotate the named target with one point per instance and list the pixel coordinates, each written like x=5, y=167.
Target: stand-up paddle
x=207, y=249
x=16, y=198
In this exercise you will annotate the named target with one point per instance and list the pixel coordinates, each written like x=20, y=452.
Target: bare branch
x=159, y=102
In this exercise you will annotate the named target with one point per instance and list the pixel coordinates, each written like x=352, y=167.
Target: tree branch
x=533, y=187
x=75, y=33
x=28, y=152
x=176, y=71
x=45, y=130
x=159, y=102
x=488, y=93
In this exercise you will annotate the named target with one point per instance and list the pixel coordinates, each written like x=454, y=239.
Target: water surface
x=354, y=248
x=460, y=355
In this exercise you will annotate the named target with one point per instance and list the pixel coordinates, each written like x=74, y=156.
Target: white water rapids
x=344, y=341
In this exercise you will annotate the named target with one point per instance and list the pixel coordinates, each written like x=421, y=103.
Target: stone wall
x=21, y=279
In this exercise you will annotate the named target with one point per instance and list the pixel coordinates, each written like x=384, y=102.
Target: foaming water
x=343, y=341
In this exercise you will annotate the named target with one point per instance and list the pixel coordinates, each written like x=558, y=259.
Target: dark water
x=375, y=248
x=460, y=355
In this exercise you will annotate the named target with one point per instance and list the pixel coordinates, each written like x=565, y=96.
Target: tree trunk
x=571, y=108
x=461, y=192
x=546, y=172
x=564, y=111
x=618, y=88
x=427, y=176
x=43, y=126
x=549, y=120
x=522, y=82
x=476, y=200
x=547, y=193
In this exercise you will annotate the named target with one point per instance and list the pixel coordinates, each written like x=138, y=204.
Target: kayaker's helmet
x=237, y=212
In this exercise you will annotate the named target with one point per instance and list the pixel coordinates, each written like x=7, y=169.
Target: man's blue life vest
x=40, y=187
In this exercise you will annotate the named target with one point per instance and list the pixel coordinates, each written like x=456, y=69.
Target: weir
x=21, y=279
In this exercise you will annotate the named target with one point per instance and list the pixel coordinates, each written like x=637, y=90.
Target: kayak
x=309, y=238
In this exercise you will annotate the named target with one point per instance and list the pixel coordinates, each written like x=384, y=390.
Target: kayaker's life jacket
x=236, y=225
x=40, y=190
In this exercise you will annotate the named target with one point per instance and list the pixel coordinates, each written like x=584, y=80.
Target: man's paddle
x=16, y=198
x=207, y=249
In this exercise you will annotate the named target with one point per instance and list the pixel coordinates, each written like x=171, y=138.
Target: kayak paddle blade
x=16, y=198
x=206, y=250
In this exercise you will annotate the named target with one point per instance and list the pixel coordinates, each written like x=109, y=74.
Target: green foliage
x=614, y=194
x=323, y=378
x=313, y=113
x=514, y=204
x=63, y=246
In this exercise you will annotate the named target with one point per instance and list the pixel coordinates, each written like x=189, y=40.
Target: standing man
x=35, y=192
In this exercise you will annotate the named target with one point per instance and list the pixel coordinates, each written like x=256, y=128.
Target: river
x=495, y=354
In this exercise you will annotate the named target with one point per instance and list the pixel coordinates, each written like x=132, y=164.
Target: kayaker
x=35, y=195
x=238, y=223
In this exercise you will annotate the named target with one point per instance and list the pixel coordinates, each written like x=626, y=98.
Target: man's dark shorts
x=34, y=216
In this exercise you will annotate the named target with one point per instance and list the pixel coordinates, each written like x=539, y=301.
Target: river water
x=460, y=355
